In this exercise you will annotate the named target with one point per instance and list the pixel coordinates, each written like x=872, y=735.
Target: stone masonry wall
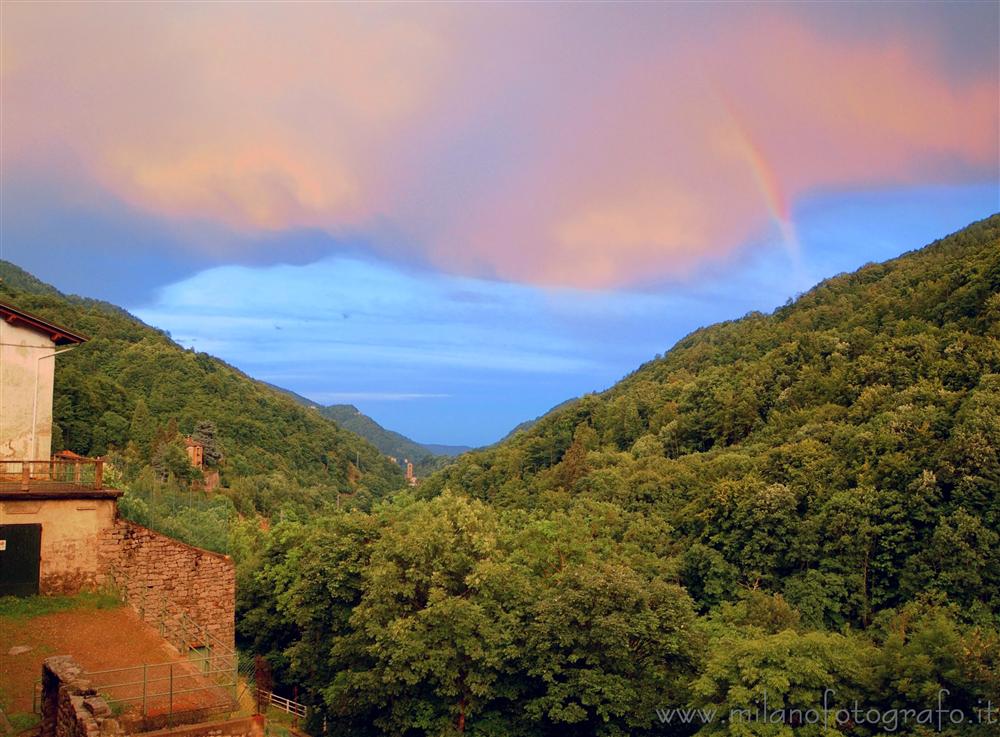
x=161, y=577
x=70, y=707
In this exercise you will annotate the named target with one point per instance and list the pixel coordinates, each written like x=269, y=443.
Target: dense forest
x=782, y=512
x=133, y=393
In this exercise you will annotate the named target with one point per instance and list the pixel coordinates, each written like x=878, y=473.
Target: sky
x=455, y=216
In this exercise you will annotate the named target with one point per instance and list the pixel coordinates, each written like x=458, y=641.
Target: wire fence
x=211, y=678
x=157, y=695
x=197, y=518
x=203, y=684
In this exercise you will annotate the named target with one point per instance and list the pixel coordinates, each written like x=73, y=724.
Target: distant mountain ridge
x=396, y=444
x=451, y=451
x=357, y=421
x=426, y=457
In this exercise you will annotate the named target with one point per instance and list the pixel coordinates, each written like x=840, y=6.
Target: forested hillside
x=528, y=424
x=133, y=392
x=784, y=508
x=834, y=451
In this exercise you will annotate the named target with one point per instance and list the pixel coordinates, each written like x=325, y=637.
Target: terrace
x=60, y=476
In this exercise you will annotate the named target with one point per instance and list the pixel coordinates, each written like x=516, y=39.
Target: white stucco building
x=28, y=348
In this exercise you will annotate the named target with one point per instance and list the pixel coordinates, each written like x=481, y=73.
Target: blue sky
x=458, y=360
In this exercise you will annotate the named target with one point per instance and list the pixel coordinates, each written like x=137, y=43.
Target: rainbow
x=764, y=176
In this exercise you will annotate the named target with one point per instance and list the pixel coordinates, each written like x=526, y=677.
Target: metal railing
x=217, y=661
x=154, y=695
x=52, y=475
x=267, y=698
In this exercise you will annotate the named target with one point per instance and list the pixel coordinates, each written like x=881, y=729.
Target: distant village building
x=196, y=452
x=410, y=478
x=28, y=347
x=210, y=479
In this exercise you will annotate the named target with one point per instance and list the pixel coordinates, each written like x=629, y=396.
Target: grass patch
x=19, y=721
x=280, y=722
x=29, y=607
x=274, y=729
x=23, y=720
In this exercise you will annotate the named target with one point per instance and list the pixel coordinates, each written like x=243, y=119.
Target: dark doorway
x=20, y=556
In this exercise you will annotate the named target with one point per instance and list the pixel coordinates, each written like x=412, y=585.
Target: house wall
x=71, y=532
x=23, y=353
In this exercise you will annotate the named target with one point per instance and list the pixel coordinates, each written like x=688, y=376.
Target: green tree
x=205, y=434
x=111, y=431
x=142, y=429
x=170, y=459
x=783, y=675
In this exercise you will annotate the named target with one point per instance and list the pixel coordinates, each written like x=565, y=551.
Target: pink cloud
x=258, y=118
x=692, y=150
x=535, y=144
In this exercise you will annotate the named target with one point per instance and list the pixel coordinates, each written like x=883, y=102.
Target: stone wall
x=161, y=578
x=70, y=707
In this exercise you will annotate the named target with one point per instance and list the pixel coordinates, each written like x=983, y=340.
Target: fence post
x=170, y=712
x=99, y=474
x=145, y=679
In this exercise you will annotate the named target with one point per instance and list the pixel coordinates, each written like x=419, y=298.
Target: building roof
x=69, y=455
x=56, y=333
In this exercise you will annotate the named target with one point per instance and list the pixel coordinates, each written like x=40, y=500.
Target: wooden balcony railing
x=52, y=475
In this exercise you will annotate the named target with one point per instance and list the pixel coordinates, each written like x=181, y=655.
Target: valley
x=779, y=502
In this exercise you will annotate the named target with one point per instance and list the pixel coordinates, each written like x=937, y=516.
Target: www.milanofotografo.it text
x=829, y=713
